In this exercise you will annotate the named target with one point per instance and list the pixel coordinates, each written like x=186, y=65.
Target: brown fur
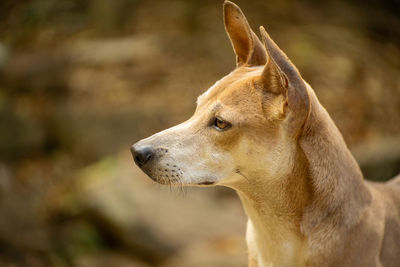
x=304, y=194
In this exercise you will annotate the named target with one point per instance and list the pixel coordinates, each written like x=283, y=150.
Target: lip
x=206, y=183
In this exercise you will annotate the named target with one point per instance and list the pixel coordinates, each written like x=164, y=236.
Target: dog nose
x=142, y=155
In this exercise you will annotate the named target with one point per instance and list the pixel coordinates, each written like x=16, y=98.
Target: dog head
x=244, y=126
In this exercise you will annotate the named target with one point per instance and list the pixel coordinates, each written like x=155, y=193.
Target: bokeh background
x=82, y=80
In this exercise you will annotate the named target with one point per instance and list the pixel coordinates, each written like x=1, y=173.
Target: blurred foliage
x=82, y=80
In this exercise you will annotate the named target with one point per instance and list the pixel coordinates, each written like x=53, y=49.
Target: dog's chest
x=287, y=251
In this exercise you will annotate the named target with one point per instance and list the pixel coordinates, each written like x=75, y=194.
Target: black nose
x=142, y=155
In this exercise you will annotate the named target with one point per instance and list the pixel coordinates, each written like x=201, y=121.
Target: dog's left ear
x=248, y=48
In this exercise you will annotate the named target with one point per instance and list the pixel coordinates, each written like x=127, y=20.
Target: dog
x=262, y=131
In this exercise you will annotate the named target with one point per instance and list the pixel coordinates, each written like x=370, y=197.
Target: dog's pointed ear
x=273, y=78
x=280, y=69
x=248, y=48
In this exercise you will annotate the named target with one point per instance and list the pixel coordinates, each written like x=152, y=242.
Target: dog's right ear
x=284, y=77
x=248, y=48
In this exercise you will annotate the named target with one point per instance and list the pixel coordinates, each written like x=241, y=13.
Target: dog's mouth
x=169, y=181
x=206, y=183
x=174, y=176
x=167, y=174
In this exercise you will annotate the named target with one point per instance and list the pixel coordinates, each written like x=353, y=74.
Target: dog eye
x=220, y=124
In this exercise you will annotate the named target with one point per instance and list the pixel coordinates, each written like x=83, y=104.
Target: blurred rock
x=223, y=252
x=108, y=259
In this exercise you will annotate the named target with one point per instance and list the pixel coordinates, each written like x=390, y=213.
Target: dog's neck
x=338, y=190
x=324, y=185
x=275, y=208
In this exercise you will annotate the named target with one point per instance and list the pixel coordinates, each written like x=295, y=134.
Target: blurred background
x=82, y=80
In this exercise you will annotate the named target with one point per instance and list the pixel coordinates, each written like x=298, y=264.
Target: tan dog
x=261, y=131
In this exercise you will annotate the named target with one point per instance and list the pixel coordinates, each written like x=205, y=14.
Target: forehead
x=236, y=87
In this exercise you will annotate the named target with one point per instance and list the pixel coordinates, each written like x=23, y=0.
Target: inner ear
x=275, y=106
x=248, y=48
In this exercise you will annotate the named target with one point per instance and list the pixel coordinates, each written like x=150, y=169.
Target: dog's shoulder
x=387, y=196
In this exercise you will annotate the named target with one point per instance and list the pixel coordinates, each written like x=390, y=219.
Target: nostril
x=137, y=159
x=148, y=157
